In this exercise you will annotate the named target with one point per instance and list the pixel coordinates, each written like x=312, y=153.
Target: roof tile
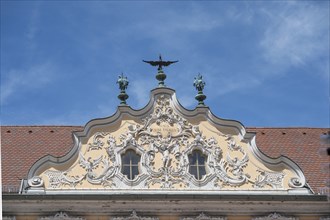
x=22, y=146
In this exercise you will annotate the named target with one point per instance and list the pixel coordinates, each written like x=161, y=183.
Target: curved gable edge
x=235, y=128
x=299, y=184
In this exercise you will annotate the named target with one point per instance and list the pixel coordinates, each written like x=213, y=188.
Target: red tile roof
x=22, y=146
x=302, y=145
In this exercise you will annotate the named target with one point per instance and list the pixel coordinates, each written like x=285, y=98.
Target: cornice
x=163, y=204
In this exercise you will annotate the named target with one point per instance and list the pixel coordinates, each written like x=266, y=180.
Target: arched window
x=130, y=161
x=197, y=164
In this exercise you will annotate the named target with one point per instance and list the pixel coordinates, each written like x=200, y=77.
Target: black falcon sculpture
x=161, y=76
x=160, y=63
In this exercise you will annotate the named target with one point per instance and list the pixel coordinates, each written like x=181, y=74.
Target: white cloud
x=33, y=26
x=74, y=117
x=171, y=29
x=17, y=80
x=243, y=14
x=232, y=84
x=297, y=35
x=187, y=100
x=198, y=19
x=293, y=34
x=140, y=91
x=107, y=108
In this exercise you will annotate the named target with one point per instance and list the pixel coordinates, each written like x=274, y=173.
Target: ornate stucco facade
x=164, y=134
x=164, y=162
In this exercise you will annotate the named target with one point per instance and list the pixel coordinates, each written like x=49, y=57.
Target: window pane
x=135, y=171
x=193, y=171
x=126, y=171
x=202, y=171
x=130, y=161
x=135, y=158
x=197, y=164
x=125, y=159
x=201, y=158
x=192, y=159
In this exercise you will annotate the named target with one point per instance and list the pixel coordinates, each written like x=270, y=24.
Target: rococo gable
x=164, y=160
x=165, y=147
x=166, y=141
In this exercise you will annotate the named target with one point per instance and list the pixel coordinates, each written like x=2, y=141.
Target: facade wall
x=174, y=217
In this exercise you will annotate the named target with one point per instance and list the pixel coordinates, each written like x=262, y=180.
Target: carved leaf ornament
x=275, y=216
x=164, y=141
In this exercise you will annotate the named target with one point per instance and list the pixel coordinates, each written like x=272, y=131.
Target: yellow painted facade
x=173, y=133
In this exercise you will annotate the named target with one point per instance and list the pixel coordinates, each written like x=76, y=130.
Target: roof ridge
x=286, y=128
x=81, y=126
x=41, y=126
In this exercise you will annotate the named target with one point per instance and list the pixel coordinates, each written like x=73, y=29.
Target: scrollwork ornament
x=36, y=181
x=134, y=216
x=59, y=178
x=295, y=182
x=202, y=216
x=275, y=216
x=105, y=175
x=60, y=216
x=97, y=143
x=229, y=171
x=164, y=140
x=111, y=148
x=273, y=179
x=129, y=138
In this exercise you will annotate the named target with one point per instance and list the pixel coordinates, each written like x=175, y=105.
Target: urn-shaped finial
x=123, y=84
x=199, y=85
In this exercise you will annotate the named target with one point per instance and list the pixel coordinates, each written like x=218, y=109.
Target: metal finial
x=161, y=76
x=199, y=85
x=123, y=84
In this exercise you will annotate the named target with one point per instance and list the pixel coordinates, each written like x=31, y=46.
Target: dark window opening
x=197, y=164
x=130, y=161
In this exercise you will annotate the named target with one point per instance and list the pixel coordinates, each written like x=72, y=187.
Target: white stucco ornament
x=176, y=150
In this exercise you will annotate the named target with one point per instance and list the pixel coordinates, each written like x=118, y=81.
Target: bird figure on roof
x=160, y=63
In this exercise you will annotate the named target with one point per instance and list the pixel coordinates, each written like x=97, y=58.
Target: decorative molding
x=60, y=216
x=134, y=216
x=172, y=138
x=8, y=218
x=165, y=134
x=58, y=179
x=273, y=179
x=295, y=182
x=36, y=181
x=202, y=216
x=325, y=218
x=275, y=216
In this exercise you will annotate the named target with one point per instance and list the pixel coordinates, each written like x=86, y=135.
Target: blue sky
x=265, y=63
